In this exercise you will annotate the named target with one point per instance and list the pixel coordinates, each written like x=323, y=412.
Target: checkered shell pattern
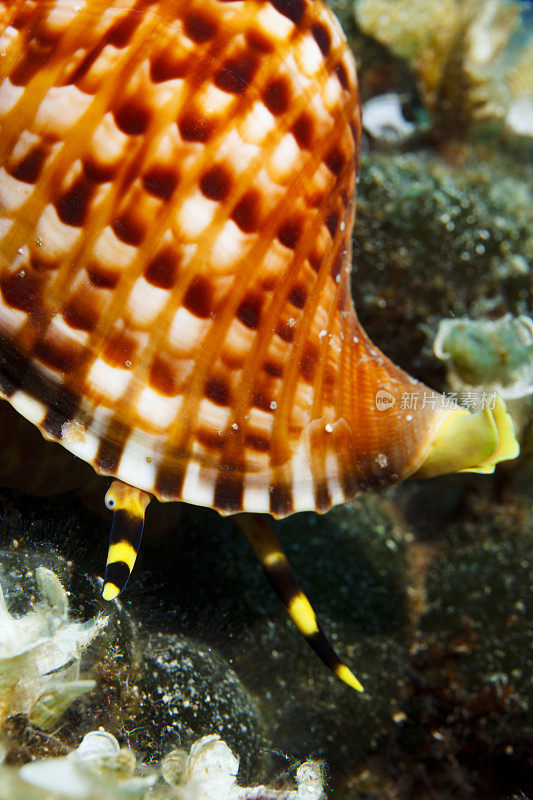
x=177, y=183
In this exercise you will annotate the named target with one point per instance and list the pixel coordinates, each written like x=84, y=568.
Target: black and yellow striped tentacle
x=259, y=533
x=128, y=506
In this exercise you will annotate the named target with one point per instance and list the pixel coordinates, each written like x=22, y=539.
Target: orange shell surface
x=177, y=185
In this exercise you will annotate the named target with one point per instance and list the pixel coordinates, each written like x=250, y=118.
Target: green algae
x=435, y=239
x=490, y=351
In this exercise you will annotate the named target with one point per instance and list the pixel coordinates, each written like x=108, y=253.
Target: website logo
x=384, y=400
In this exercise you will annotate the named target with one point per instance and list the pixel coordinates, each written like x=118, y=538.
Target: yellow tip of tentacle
x=110, y=591
x=468, y=442
x=345, y=674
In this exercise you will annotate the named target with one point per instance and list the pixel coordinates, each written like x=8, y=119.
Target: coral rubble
x=460, y=52
x=187, y=690
x=99, y=769
x=40, y=655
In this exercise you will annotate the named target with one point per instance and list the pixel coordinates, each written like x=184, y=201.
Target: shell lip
x=471, y=442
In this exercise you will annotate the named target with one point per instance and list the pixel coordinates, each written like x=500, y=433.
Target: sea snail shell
x=176, y=204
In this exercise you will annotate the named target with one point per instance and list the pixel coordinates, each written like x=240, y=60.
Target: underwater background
x=425, y=588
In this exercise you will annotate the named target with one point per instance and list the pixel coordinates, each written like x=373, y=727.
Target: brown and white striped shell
x=177, y=187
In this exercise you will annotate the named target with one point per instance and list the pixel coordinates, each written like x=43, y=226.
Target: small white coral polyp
x=40, y=655
x=209, y=772
x=100, y=770
x=97, y=770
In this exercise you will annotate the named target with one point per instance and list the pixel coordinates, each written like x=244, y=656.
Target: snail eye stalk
x=128, y=506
